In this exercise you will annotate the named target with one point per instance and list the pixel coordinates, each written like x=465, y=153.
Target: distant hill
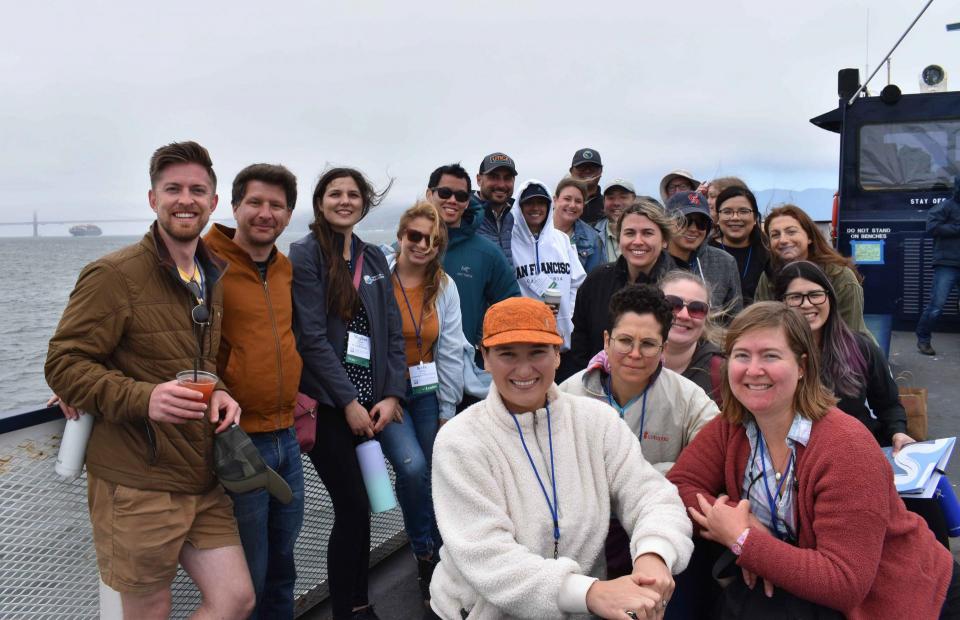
x=816, y=201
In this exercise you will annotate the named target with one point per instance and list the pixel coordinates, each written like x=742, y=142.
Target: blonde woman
x=433, y=337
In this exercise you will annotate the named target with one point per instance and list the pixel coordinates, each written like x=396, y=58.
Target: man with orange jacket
x=259, y=363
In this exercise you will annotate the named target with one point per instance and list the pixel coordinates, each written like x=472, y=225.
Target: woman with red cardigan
x=800, y=493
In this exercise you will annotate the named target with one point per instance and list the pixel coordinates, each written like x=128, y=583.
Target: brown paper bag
x=914, y=401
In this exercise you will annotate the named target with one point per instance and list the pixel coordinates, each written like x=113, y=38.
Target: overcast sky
x=90, y=89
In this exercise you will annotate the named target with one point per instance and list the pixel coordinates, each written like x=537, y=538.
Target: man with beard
x=587, y=167
x=259, y=363
x=495, y=196
x=136, y=318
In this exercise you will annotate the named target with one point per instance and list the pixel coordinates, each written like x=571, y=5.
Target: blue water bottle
x=948, y=505
x=375, y=476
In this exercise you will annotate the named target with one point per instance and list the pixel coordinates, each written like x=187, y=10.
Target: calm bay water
x=40, y=273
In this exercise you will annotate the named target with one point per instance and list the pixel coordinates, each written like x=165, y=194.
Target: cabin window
x=910, y=156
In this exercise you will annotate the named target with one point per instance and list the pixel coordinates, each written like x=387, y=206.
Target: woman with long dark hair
x=348, y=330
x=740, y=235
x=433, y=339
x=854, y=367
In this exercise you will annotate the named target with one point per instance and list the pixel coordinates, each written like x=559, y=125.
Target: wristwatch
x=737, y=547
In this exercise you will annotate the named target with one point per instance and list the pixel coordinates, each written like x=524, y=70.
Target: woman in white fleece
x=524, y=482
x=545, y=261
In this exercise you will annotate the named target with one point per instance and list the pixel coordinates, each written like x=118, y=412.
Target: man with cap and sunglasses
x=495, y=196
x=478, y=267
x=259, y=363
x=689, y=250
x=586, y=166
x=136, y=318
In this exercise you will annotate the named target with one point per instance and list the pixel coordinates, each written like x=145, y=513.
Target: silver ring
x=632, y=614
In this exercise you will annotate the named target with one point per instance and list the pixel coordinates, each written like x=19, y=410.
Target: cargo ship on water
x=85, y=230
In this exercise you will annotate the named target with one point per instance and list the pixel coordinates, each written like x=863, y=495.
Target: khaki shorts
x=138, y=534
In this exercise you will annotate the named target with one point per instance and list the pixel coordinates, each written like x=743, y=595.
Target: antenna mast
x=890, y=53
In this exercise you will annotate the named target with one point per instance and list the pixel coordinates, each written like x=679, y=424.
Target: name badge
x=358, y=349
x=423, y=378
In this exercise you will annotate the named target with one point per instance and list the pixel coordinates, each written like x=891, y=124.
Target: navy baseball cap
x=586, y=156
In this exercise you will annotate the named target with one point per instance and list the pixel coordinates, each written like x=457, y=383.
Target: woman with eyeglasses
x=433, y=340
x=525, y=482
x=800, y=493
x=547, y=266
x=794, y=236
x=691, y=349
x=644, y=230
x=568, y=199
x=349, y=334
x=741, y=236
x=855, y=368
x=663, y=409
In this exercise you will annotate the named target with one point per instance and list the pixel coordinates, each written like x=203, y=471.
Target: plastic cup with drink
x=198, y=380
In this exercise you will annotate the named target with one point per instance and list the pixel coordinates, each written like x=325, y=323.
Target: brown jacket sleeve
x=78, y=366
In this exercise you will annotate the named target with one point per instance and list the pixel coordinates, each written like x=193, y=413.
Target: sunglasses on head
x=696, y=309
x=445, y=192
x=415, y=237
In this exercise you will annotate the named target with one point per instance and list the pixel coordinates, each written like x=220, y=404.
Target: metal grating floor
x=48, y=567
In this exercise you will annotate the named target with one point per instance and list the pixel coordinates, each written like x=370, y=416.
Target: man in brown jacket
x=259, y=363
x=136, y=318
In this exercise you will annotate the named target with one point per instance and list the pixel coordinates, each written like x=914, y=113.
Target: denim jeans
x=269, y=529
x=944, y=279
x=409, y=448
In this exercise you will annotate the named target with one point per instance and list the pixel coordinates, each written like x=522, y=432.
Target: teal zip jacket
x=480, y=270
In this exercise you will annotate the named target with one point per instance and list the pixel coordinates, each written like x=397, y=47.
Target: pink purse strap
x=358, y=271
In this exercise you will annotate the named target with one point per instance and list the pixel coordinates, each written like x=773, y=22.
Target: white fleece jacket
x=497, y=556
x=677, y=409
x=546, y=255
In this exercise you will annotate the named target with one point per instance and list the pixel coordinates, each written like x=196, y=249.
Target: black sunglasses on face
x=445, y=192
x=696, y=309
x=415, y=237
x=699, y=222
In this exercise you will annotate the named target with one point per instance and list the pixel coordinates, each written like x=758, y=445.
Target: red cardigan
x=859, y=550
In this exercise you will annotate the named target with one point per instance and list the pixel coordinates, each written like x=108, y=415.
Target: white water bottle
x=73, y=446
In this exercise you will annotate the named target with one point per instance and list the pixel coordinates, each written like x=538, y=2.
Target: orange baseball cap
x=520, y=320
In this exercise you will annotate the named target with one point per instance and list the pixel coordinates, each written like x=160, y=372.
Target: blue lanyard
x=416, y=328
x=770, y=499
x=746, y=265
x=622, y=410
x=553, y=507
